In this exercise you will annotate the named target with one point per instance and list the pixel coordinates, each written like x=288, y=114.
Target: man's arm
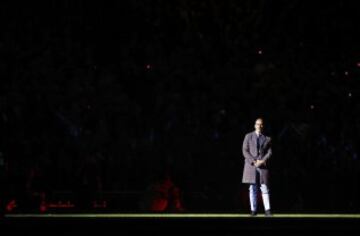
x=265, y=157
x=245, y=150
x=269, y=151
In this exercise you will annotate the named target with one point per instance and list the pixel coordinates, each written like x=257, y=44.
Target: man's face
x=259, y=125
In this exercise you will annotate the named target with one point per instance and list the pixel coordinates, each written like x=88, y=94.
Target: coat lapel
x=253, y=139
x=262, y=140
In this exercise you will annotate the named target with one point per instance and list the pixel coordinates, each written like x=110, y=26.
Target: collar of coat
x=261, y=136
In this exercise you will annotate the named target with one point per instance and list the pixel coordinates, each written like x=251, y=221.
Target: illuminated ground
x=181, y=215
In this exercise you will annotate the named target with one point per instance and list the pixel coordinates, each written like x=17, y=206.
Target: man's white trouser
x=253, y=191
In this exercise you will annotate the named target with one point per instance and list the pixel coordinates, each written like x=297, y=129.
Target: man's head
x=259, y=125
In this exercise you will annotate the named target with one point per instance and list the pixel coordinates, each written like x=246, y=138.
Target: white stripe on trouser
x=253, y=191
x=253, y=197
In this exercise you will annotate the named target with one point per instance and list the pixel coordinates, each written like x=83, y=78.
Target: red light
x=60, y=204
x=11, y=205
x=43, y=207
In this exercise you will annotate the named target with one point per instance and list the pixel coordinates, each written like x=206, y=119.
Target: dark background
x=98, y=100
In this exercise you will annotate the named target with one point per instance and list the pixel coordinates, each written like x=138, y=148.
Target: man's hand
x=259, y=163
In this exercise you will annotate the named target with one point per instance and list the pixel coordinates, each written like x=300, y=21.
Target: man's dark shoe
x=268, y=213
x=253, y=213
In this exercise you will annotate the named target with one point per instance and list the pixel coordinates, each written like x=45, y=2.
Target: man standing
x=257, y=151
